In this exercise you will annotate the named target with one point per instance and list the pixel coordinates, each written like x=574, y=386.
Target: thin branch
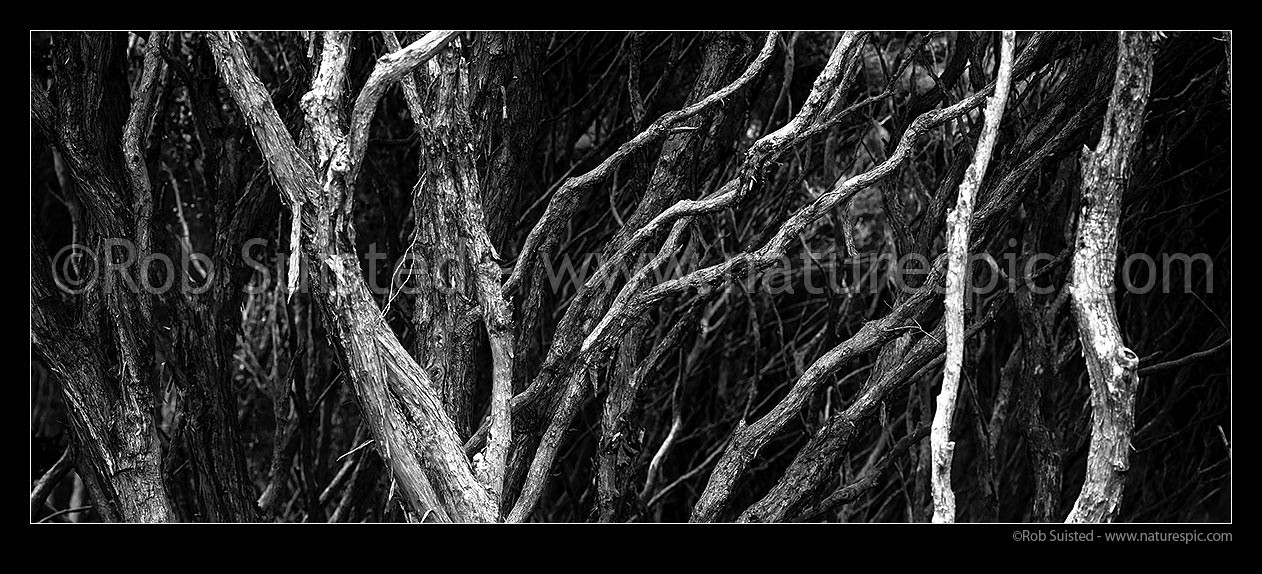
x=410, y=92
x=869, y=479
x=565, y=200
x=959, y=222
x=63, y=513
x=135, y=134
x=44, y=486
x=564, y=414
x=1176, y=363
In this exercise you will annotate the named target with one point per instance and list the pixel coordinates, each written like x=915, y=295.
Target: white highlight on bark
x=1111, y=366
x=295, y=248
x=957, y=266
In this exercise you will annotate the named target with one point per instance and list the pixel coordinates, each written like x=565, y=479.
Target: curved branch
x=564, y=201
x=748, y=439
x=390, y=69
x=44, y=486
x=135, y=133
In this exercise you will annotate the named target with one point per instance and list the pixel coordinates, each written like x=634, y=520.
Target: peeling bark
x=111, y=410
x=413, y=433
x=1110, y=364
x=959, y=222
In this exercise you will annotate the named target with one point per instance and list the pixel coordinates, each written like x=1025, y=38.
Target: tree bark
x=204, y=326
x=444, y=315
x=108, y=322
x=959, y=221
x=413, y=432
x=507, y=101
x=451, y=184
x=1110, y=364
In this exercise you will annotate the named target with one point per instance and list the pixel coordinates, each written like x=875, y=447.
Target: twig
x=868, y=479
x=353, y=450
x=1194, y=357
x=64, y=512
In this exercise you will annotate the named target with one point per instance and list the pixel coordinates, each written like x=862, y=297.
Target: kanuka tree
x=576, y=321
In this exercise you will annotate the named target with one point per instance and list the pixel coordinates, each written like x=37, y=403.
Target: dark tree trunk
x=120, y=456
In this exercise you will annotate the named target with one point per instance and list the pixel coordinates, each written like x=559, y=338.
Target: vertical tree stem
x=1110, y=364
x=957, y=265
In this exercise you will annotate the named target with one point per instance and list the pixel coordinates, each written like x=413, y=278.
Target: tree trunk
x=412, y=430
x=119, y=454
x=1110, y=364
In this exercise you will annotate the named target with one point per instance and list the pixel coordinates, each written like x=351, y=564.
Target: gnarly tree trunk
x=444, y=315
x=413, y=432
x=202, y=336
x=1037, y=373
x=1110, y=364
x=205, y=325
x=108, y=322
x=1036, y=354
x=450, y=185
x=118, y=453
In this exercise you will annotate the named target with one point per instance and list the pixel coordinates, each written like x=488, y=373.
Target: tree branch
x=564, y=201
x=957, y=253
x=390, y=68
x=135, y=136
x=870, y=479
x=1182, y=361
x=1111, y=366
x=44, y=486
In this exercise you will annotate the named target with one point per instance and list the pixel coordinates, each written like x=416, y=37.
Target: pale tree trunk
x=450, y=186
x=1110, y=364
x=959, y=221
x=412, y=431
